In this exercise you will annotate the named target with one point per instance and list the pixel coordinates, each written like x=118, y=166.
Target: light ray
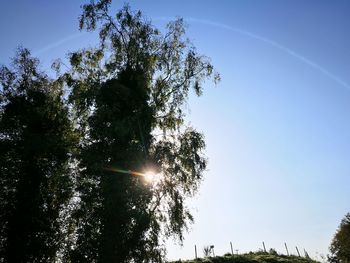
x=125, y=171
x=149, y=176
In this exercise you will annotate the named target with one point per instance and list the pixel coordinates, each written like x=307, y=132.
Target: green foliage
x=62, y=196
x=256, y=257
x=273, y=252
x=36, y=138
x=340, y=246
x=127, y=96
x=206, y=251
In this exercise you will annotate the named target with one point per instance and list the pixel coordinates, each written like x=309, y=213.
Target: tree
x=340, y=246
x=36, y=139
x=128, y=96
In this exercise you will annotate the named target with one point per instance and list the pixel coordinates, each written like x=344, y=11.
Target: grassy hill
x=257, y=257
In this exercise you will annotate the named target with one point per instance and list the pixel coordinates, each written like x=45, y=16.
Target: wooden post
x=231, y=248
x=297, y=250
x=195, y=251
x=264, y=246
x=286, y=248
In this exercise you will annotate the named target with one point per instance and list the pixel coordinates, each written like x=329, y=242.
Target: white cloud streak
x=275, y=44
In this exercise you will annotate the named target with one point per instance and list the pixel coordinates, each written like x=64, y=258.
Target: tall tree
x=35, y=141
x=128, y=96
x=340, y=246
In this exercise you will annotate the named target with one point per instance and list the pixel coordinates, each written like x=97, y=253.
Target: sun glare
x=152, y=177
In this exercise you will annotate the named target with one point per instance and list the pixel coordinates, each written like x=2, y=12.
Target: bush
x=340, y=246
x=273, y=252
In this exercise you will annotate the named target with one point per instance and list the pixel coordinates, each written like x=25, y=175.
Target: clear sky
x=277, y=126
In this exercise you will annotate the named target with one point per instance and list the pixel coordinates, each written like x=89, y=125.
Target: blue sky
x=277, y=126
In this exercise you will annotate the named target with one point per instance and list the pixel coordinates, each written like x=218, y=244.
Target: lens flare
x=152, y=177
x=149, y=176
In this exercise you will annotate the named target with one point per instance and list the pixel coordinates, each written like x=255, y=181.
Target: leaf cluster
x=340, y=246
x=36, y=142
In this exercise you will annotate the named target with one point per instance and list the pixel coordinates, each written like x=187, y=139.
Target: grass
x=256, y=257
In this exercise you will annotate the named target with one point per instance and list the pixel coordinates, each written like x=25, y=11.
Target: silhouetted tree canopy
x=340, y=246
x=74, y=150
x=36, y=139
x=128, y=96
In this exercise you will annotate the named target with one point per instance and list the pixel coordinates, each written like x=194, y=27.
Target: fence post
x=286, y=248
x=264, y=246
x=231, y=248
x=195, y=251
x=297, y=250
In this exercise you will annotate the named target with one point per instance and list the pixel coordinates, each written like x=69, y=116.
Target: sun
x=152, y=177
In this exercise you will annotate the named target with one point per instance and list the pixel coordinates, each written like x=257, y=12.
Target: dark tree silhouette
x=340, y=246
x=128, y=96
x=35, y=141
